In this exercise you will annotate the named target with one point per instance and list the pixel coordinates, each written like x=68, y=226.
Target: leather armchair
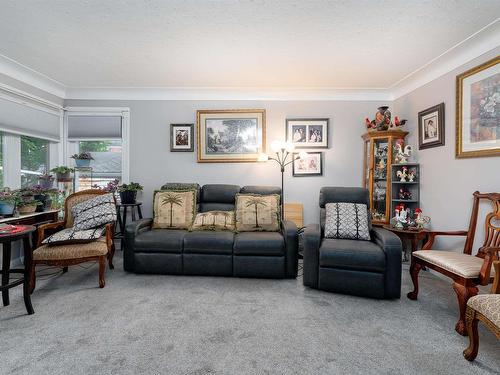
x=364, y=268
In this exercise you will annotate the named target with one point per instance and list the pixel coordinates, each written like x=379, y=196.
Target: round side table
x=7, y=236
x=121, y=211
x=414, y=236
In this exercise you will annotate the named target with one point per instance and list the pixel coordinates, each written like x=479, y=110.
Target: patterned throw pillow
x=256, y=212
x=174, y=209
x=214, y=220
x=94, y=212
x=347, y=220
x=70, y=235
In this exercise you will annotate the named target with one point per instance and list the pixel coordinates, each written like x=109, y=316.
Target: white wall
x=447, y=183
x=152, y=164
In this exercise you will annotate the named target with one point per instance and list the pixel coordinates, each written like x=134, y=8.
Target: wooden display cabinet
x=377, y=161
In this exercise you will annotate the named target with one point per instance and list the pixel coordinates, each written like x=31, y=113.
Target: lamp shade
x=277, y=145
x=263, y=157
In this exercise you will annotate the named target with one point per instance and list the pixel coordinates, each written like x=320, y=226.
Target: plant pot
x=63, y=176
x=27, y=198
x=7, y=209
x=82, y=162
x=46, y=183
x=46, y=201
x=27, y=208
x=128, y=197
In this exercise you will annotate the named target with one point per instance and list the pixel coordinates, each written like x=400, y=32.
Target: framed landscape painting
x=181, y=137
x=307, y=133
x=312, y=165
x=229, y=136
x=431, y=127
x=478, y=111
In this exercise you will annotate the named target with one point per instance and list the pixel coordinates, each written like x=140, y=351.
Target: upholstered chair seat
x=488, y=305
x=72, y=251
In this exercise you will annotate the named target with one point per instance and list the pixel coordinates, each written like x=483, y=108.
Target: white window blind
x=94, y=127
x=20, y=119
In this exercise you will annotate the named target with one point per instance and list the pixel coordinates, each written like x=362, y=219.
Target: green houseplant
x=82, y=159
x=7, y=203
x=128, y=192
x=46, y=180
x=62, y=172
x=44, y=197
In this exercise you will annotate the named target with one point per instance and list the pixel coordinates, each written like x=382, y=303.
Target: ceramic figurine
x=412, y=174
x=402, y=175
x=402, y=156
x=421, y=221
x=398, y=123
x=382, y=120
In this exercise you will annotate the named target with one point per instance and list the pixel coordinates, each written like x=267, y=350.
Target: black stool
x=121, y=212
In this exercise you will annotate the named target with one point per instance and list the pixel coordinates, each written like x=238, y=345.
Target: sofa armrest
x=131, y=231
x=392, y=247
x=289, y=232
x=312, y=242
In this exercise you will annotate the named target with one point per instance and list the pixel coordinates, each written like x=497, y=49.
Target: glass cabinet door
x=368, y=164
x=379, y=195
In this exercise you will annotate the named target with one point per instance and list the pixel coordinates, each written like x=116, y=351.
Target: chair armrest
x=490, y=256
x=290, y=235
x=45, y=227
x=131, y=231
x=392, y=247
x=110, y=234
x=495, y=289
x=432, y=235
x=312, y=242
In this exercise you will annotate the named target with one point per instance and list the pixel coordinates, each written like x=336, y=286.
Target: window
x=1, y=161
x=107, y=163
x=34, y=159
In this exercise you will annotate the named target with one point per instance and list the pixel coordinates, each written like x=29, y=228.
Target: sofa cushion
x=347, y=221
x=257, y=212
x=160, y=241
x=214, y=220
x=219, y=193
x=183, y=186
x=203, y=242
x=351, y=255
x=263, y=190
x=259, y=243
x=174, y=209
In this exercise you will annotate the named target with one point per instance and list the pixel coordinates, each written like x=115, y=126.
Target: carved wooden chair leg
x=111, y=254
x=414, y=270
x=471, y=352
x=65, y=269
x=463, y=295
x=102, y=270
x=32, y=277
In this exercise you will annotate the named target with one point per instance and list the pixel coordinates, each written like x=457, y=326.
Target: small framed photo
x=312, y=165
x=431, y=127
x=181, y=137
x=307, y=133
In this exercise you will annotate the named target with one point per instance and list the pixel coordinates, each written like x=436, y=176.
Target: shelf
x=406, y=200
x=403, y=164
x=406, y=183
x=380, y=179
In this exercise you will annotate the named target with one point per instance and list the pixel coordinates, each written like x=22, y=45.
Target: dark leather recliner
x=363, y=268
x=213, y=253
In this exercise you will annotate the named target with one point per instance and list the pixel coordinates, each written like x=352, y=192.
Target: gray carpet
x=144, y=324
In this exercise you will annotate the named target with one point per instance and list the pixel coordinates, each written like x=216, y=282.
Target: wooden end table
x=17, y=232
x=413, y=236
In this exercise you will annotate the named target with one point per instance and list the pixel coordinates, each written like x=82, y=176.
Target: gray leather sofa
x=363, y=268
x=213, y=253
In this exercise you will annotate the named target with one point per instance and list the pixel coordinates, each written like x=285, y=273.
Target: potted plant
x=62, y=172
x=82, y=159
x=128, y=192
x=26, y=208
x=7, y=203
x=44, y=196
x=46, y=180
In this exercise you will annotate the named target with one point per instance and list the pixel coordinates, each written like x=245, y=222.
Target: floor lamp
x=284, y=156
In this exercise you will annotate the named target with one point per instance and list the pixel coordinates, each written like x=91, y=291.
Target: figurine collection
x=383, y=121
x=406, y=175
x=406, y=219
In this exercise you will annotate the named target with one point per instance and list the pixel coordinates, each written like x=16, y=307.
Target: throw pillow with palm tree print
x=214, y=220
x=174, y=209
x=256, y=212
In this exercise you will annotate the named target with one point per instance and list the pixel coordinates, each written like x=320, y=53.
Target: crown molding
x=477, y=44
x=228, y=93
x=22, y=73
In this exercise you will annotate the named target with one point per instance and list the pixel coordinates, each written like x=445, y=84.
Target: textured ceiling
x=221, y=43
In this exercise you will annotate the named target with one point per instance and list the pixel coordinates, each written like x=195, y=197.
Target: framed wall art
x=312, y=165
x=307, y=133
x=233, y=135
x=181, y=137
x=478, y=111
x=431, y=127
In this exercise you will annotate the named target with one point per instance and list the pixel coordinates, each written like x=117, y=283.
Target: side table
x=414, y=236
x=121, y=213
x=18, y=232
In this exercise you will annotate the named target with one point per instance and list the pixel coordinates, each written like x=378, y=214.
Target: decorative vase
x=63, y=176
x=27, y=208
x=7, y=209
x=46, y=201
x=82, y=163
x=46, y=183
x=383, y=118
x=128, y=197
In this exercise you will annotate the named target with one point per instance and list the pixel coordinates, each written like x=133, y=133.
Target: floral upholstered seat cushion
x=461, y=264
x=174, y=209
x=257, y=213
x=71, y=251
x=214, y=220
x=488, y=305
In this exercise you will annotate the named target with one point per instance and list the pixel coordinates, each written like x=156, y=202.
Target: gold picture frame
x=477, y=119
x=230, y=135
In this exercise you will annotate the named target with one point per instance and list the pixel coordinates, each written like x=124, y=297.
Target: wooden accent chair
x=486, y=308
x=466, y=270
x=72, y=254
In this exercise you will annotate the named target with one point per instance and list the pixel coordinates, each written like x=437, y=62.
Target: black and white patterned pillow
x=94, y=212
x=70, y=235
x=347, y=220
